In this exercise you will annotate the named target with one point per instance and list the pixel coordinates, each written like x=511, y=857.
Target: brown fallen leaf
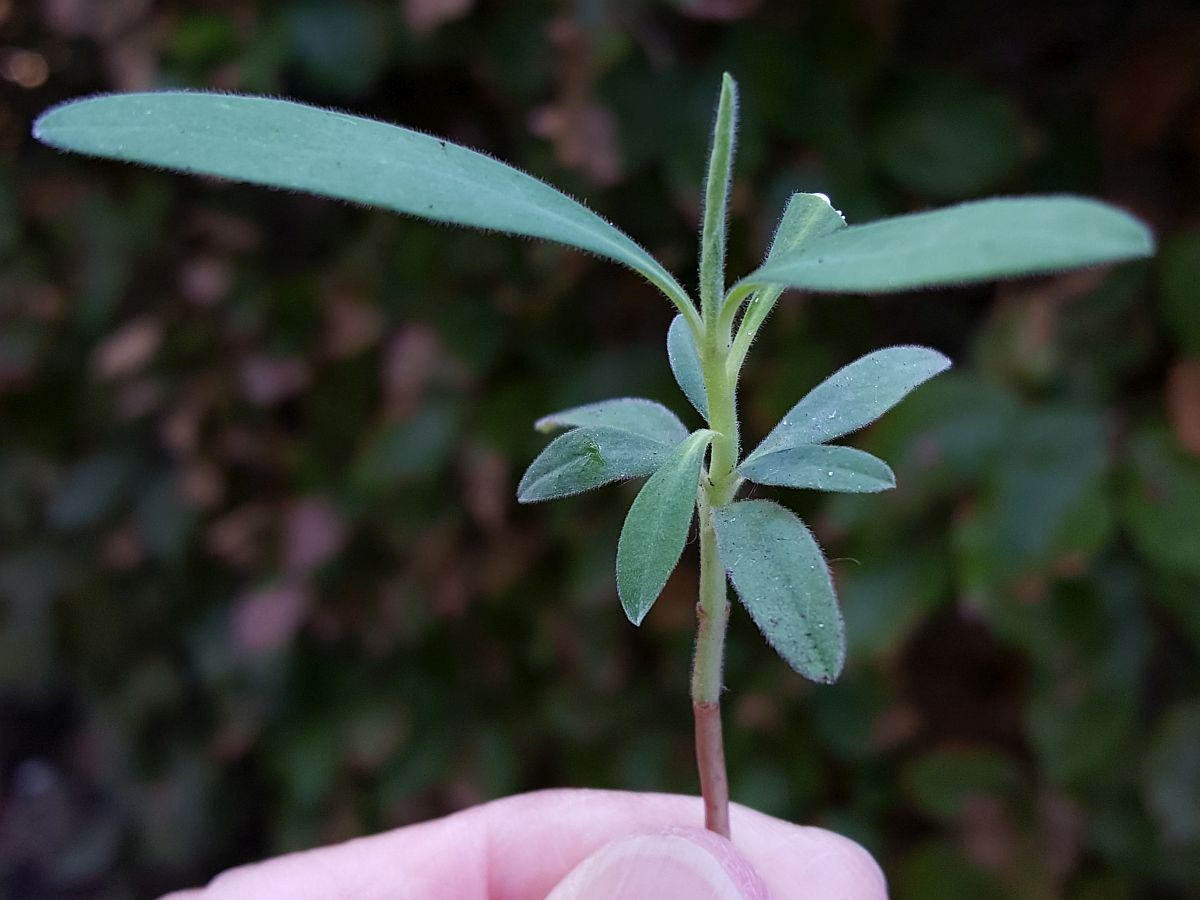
x=409, y=362
x=267, y=380
x=268, y=619
x=425, y=16
x=352, y=324
x=1183, y=403
x=718, y=10
x=128, y=349
x=313, y=534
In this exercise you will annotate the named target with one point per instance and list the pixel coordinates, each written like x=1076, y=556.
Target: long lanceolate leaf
x=821, y=468
x=289, y=145
x=588, y=458
x=656, y=527
x=806, y=217
x=685, y=365
x=644, y=417
x=976, y=241
x=853, y=397
x=783, y=581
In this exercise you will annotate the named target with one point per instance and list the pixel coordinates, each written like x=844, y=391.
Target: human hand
x=570, y=845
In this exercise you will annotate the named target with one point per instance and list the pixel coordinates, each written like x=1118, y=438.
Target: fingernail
x=675, y=865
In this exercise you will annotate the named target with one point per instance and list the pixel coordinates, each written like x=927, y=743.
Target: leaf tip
x=1146, y=244
x=635, y=617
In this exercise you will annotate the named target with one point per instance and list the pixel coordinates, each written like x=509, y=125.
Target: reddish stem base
x=710, y=760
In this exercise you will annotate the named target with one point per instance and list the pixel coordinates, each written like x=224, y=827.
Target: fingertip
x=670, y=865
x=802, y=862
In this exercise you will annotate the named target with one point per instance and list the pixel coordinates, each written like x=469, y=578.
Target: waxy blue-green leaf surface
x=656, y=528
x=783, y=581
x=685, y=365
x=289, y=145
x=716, y=197
x=853, y=397
x=587, y=458
x=822, y=468
x=805, y=218
x=643, y=417
x=977, y=241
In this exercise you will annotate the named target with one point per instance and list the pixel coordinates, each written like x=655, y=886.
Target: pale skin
x=531, y=847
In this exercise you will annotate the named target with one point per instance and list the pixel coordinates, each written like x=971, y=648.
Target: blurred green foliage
x=263, y=582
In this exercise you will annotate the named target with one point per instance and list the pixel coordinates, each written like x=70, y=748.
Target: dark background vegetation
x=263, y=582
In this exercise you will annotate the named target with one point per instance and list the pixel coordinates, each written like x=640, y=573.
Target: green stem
x=757, y=310
x=720, y=483
x=712, y=613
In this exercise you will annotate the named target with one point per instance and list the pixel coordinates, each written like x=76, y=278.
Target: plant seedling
x=769, y=554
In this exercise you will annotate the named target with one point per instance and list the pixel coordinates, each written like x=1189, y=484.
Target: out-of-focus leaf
x=413, y=448
x=656, y=528
x=821, y=468
x=277, y=143
x=341, y=48
x=846, y=715
x=641, y=417
x=784, y=583
x=9, y=223
x=937, y=870
x=1171, y=776
x=200, y=39
x=90, y=492
x=1051, y=464
x=853, y=397
x=977, y=241
x=886, y=593
x=587, y=458
x=165, y=521
x=1077, y=726
x=949, y=431
x=1179, y=288
x=943, y=781
x=1089, y=642
x=945, y=137
x=685, y=365
x=1161, y=502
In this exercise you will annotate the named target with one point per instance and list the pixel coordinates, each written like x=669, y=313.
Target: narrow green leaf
x=657, y=526
x=976, y=241
x=822, y=468
x=289, y=145
x=783, y=581
x=643, y=417
x=805, y=218
x=587, y=458
x=716, y=198
x=685, y=365
x=853, y=397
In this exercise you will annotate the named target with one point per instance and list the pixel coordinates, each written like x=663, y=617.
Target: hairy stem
x=713, y=608
x=720, y=483
x=712, y=613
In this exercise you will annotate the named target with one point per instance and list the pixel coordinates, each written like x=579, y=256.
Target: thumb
x=679, y=864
